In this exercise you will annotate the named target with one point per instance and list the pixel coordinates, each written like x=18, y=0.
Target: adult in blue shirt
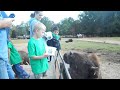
x=35, y=17
x=12, y=15
x=6, y=71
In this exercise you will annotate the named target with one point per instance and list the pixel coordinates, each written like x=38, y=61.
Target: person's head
x=55, y=30
x=39, y=29
x=38, y=15
x=32, y=15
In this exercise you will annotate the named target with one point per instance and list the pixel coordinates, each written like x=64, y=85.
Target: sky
x=55, y=16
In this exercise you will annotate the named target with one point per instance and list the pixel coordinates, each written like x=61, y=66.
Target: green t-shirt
x=37, y=48
x=56, y=36
x=15, y=57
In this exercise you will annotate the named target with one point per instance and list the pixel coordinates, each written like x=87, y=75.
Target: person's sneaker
x=27, y=77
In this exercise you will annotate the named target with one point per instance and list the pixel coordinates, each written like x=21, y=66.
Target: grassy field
x=83, y=45
x=106, y=38
x=109, y=61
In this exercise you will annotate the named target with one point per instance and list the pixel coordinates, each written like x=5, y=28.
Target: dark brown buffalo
x=69, y=40
x=82, y=65
x=25, y=59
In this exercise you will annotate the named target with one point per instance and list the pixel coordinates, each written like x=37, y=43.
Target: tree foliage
x=90, y=23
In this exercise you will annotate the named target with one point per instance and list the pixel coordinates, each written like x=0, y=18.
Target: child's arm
x=39, y=57
x=9, y=49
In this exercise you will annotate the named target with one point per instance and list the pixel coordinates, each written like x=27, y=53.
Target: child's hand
x=45, y=55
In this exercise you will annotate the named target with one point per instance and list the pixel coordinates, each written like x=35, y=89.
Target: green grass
x=107, y=38
x=83, y=45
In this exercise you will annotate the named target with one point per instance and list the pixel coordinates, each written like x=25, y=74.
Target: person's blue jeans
x=6, y=71
x=22, y=74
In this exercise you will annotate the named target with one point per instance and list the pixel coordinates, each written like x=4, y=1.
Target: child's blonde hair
x=39, y=26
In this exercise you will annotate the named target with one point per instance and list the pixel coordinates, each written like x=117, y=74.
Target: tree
x=75, y=28
x=65, y=26
x=100, y=23
x=13, y=35
x=23, y=29
x=48, y=23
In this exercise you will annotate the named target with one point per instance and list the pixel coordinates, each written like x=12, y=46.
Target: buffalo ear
x=65, y=56
x=70, y=53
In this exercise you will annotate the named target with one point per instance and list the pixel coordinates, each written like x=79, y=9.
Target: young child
x=15, y=60
x=36, y=51
x=55, y=41
x=56, y=33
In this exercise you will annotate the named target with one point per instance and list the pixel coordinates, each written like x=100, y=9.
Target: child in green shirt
x=54, y=42
x=56, y=36
x=36, y=51
x=15, y=60
x=56, y=33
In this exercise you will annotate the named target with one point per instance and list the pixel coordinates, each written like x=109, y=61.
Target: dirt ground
x=110, y=65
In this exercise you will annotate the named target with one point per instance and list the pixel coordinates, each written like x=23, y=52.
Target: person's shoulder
x=42, y=38
x=31, y=40
x=31, y=43
x=4, y=14
x=32, y=20
x=59, y=35
x=10, y=43
x=52, y=33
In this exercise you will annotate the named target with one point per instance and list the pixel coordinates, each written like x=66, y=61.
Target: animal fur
x=25, y=58
x=82, y=65
x=69, y=40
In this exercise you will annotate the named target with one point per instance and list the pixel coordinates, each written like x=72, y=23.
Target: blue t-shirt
x=32, y=21
x=7, y=29
x=3, y=39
